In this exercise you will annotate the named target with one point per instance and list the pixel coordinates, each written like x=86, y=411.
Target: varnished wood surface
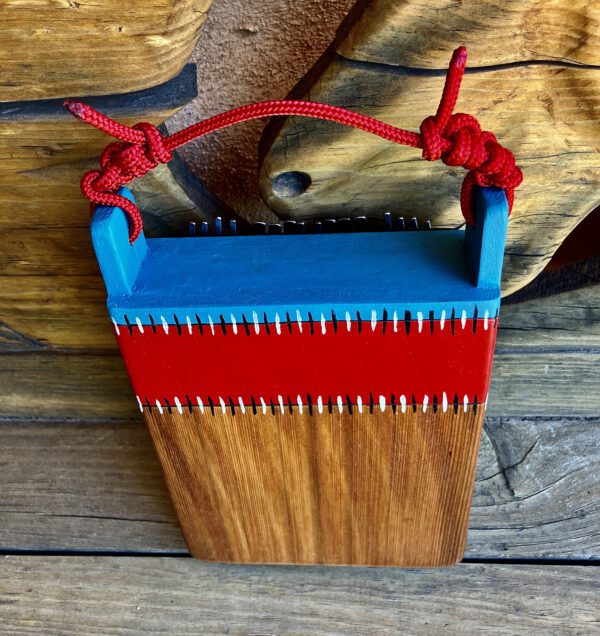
x=332, y=488
x=62, y=595
x=71, y=48
x=546, y=113
x=97, y=486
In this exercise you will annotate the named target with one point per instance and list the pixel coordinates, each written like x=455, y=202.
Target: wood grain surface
x=332, y=488
x=72, y=485
x=67, y=48
x=50, y=284
x=65, y=595
x=542, y=105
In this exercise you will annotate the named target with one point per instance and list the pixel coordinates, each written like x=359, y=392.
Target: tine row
x=388, y=223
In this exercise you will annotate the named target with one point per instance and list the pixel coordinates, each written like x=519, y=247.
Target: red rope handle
x=456, y=139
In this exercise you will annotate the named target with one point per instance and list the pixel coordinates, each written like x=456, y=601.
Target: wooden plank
x=81, y=48
x=85, y=386
x=69, y=312
x=538, y=30
x=63, y=595
x=68, y=486
x=76, y=386
x=351, y=172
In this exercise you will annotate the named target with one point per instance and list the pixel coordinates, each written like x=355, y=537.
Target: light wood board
x=384, y=65
x=61, y=48
x=62, y=595
x=98, y=486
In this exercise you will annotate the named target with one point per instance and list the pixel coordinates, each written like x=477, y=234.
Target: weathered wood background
x=533, y=78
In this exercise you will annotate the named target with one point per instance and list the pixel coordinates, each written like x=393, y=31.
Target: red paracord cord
x=456, y=139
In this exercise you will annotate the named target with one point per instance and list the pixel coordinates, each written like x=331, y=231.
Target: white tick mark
x=178, y=405
x=281, y=406
x=233, y=324
x=277, y=325
x=444, y=402
x=300, y=405
x=395, y=321
x=348, y=321
x=443, y=319
x=223, y=405
x=117, y=330
x=340, y=403
x=373, y=319
x=165, y=326
x=241, y=403
x=139, y=324
x=189, y=324
x=299, y=319
x=486, y=317
x=200, y=404
x=382, y=403
x=139, y=403
x=463, y=318
x=264, y=406
x=323, y=325
x=465, y=403
x=320, y=404
x=420, y=320
x=159, y=407
x=403, y=403
x=425, y=403
x=359, y=403
x=256, y=323
x=211, y=324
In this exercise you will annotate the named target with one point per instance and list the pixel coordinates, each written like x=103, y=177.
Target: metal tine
x=400, y=223
x=387, y=219
x=204, y=228
x=359, y=223
x=191, y=228
x=427, y=225
x=414, y=222
x=218, y=226
x=259, y=227
x=301, y=226
x=274, y=228
x=233, y=227
x=289, y=227
x=329, y=225
x=344, y=224
x=318, y=227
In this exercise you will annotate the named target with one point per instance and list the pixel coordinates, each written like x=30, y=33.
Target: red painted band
x=167, y=366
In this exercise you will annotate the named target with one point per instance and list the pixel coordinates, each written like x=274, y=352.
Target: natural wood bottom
x=369, y=489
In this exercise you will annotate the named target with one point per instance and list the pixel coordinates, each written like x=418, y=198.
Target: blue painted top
x=235, y=277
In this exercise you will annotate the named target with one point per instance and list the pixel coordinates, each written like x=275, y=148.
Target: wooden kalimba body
x=313, y=398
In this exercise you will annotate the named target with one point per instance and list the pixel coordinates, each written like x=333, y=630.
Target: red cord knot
x=455, y=139
x=461, y=142
x=142, y=149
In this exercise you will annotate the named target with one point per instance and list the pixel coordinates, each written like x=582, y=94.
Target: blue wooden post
x=484, y=243
x=120, y=262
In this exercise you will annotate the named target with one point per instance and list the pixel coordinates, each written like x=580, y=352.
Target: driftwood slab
x=540, y=96
x=66, y=47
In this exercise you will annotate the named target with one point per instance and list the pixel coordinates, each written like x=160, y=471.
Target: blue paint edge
x=121, y=263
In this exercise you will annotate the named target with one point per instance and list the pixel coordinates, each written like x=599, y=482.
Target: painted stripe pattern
x=319, y=363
